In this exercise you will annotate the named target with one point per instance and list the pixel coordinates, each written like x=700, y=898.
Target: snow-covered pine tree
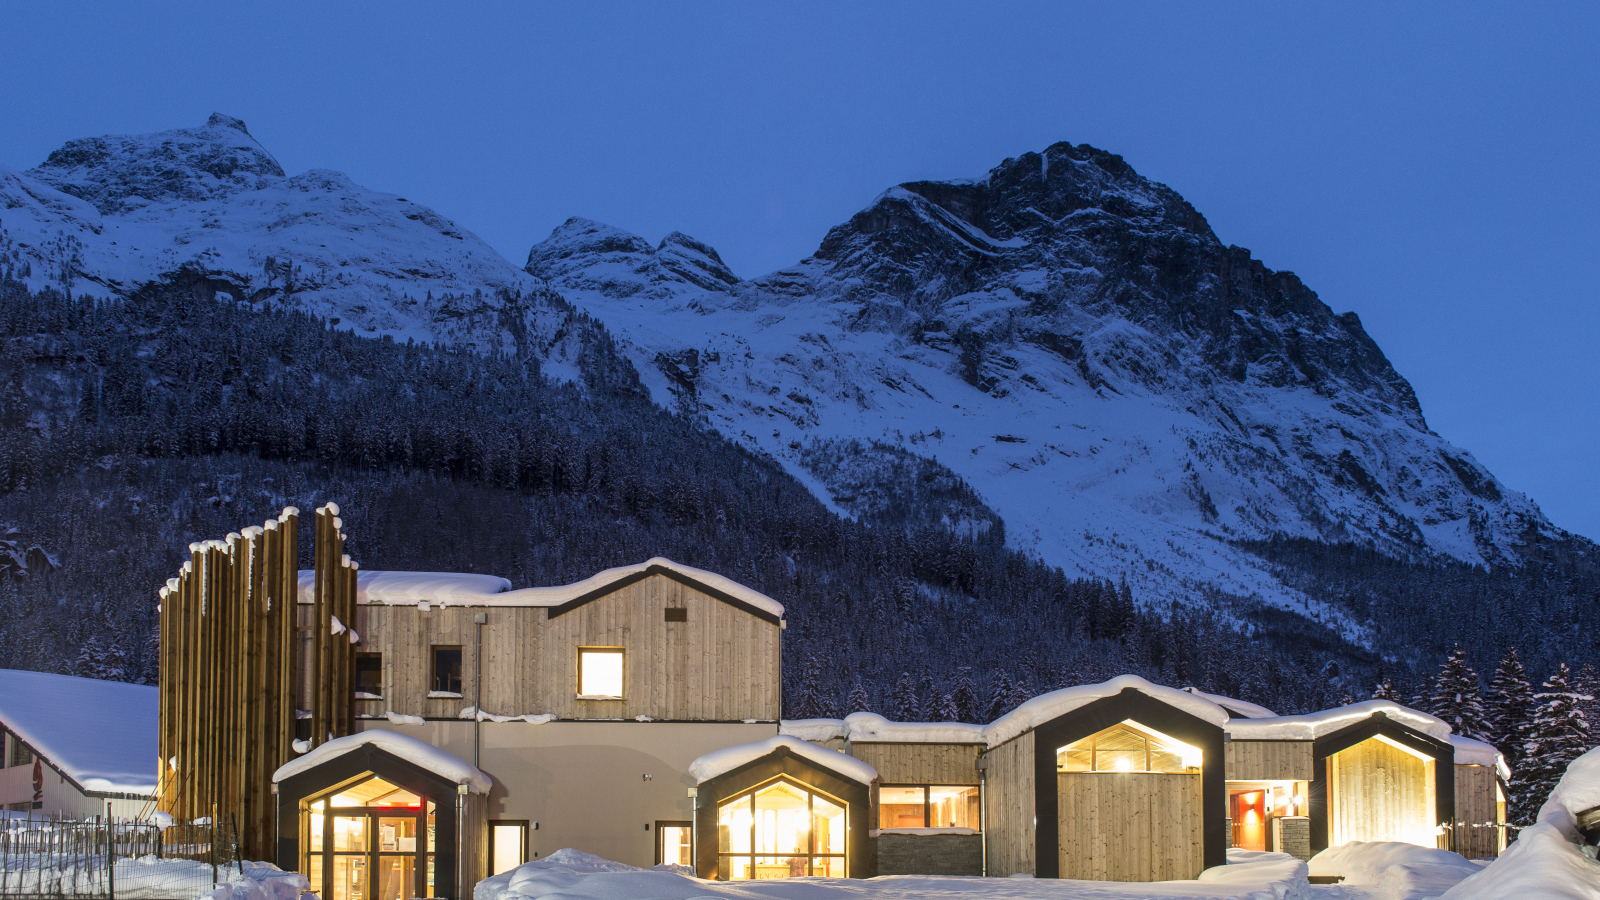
x=999, y=696
x=1457, y=697
x=927, y=699
x=1511, y=707
x=903, y=705
x=949, y=710
x=965, y=696
x=858, y=701
x=808, y=700
x=1559, y=735
x=1587, y=685
x=1386, y=691
x=91, y=659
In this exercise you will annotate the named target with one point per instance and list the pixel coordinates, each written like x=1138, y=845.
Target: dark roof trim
x=553, y=611
x=778, y=753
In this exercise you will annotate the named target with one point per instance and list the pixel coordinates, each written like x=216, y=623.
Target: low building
x=76, y=748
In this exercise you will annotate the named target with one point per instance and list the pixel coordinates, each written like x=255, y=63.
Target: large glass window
x=928, y=806
x=781, y=830
x=365, y=841
x=1128, y=748
x=600, y=672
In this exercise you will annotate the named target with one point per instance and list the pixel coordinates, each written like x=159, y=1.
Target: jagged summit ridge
x=1071, y=339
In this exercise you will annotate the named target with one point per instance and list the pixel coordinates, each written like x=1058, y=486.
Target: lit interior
x=375, y=792
x=600, y=672
x=928, y=806
x=366, y=842
x=1381, y=790
x=677, y=847
x=507, y=844
x=1129, y=747
x=782, y=830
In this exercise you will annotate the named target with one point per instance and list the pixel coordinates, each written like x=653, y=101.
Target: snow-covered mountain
x=1130, y=394
x=104, y=215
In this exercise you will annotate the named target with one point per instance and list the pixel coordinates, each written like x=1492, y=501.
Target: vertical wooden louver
x=228, y=667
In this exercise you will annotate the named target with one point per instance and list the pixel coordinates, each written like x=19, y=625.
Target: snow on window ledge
x=598, y=697
x=444, y=695
x=363, y=695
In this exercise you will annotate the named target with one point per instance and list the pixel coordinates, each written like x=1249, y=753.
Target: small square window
x=600, y=672
x=369, y=676
x=447, y=670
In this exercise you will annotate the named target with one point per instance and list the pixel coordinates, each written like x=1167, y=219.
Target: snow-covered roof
x=1049, y=706
x=721, y=762
x=1476, y=753
x=1311, y=726
x=447, y=766
x=1237, y=709
x=101, y=734
x=819, y=730
x=467, y=589
x=869, y=727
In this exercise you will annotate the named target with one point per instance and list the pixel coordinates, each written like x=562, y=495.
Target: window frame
x=749, y=796
x=927, y=803
x=621, y=652
x=1150, y=739
x=661, y=827
x=433, y=680
x=356, y=672
x=527, y=839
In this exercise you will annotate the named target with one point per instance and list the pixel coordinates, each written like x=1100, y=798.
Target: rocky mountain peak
x=120, y=173
x=695, y=261
x=582, y=252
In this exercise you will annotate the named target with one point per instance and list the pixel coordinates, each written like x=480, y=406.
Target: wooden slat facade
x=720, y=664
x=1269, y=760
x=1379, y=792
x=1479, y=813
x=905, y=763
x=1009, y=807
x=1130, y=826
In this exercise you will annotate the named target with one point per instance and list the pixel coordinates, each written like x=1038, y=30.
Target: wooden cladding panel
x=1269, y=760
x=1379, y=792
x=1478, y=811
x=920, y=763
x=1130, y=826
x=721, y=664
x=1009, y=807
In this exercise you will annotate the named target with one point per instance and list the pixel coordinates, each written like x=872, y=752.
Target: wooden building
x=1482, y=780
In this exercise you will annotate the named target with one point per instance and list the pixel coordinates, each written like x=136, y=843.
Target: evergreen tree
x=1511, y=707
x=1559, y=735
x=999, y=696
x=858, y=701
x=1386, y=690
x=91, y=659
x=1586, y=684
x=808, y=702
x=927, y=699
x=1457, y=697
x=949, y=710
x=965, y=696
x=903, y=705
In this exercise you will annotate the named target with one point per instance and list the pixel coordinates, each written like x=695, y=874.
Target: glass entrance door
x=369, y=841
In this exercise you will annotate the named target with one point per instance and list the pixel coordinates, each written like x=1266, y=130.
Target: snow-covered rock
x=1074, y=342
x=103, y=215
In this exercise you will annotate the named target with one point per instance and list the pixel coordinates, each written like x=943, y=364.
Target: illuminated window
x=370, y=840
x=782, y=830
x=928, y=806
x=1128, y=748
x=600, y=672
x=675, y=843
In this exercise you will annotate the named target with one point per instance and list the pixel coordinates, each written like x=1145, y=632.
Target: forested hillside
x=130, y=428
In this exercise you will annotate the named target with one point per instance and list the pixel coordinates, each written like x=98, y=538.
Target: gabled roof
x=1237, y=709
x=419, y=753
x=101, y=734
x=1055, y=704
x=1314, y=726
x=721, y=762
x=467, y=589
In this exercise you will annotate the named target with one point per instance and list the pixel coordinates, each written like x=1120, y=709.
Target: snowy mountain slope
x=103, y=215
x=1073, y=341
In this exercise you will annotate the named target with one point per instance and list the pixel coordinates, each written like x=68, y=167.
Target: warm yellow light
x=1123, y=765
x=600, y=673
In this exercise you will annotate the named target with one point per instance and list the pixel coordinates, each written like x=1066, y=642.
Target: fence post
x=111, y=855
x=213, y=827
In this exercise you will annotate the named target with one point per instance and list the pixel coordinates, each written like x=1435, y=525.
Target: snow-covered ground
x=152, y=878
x=571, y=875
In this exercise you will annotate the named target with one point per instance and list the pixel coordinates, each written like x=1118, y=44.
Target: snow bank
x=156, y=878
x=101, y=734
x=571, y=875
x=1476, y=753
x=1045, y=707
x=257, y=881
x=727, y=759
x=1236, y=708
x=1394, y=870
x=467, y=589
x=1548, y=860
x=407, y=748
x=818, y=730
x=868, y=727
x=1311, y=726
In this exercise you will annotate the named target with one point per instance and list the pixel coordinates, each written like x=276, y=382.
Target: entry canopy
x=418, y=753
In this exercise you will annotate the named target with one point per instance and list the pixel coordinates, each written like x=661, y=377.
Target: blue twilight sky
x=1431, y=166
